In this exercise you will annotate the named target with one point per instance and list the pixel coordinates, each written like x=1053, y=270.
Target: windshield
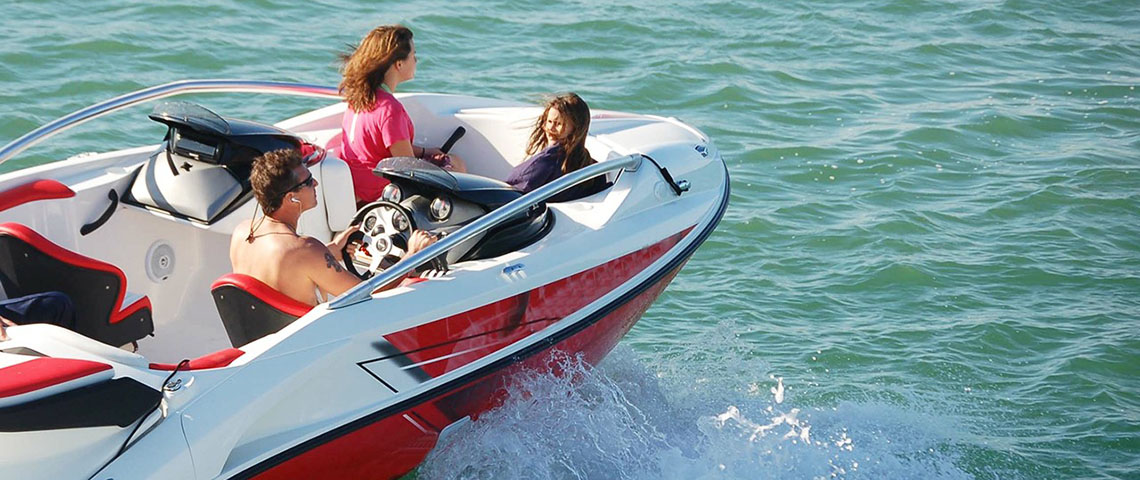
x=191, y=114
x=417, y=169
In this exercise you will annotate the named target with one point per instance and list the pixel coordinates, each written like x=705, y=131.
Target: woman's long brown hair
x=365, y=67
x=576, y=114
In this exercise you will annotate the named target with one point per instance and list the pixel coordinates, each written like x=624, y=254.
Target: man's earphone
x=294, y=200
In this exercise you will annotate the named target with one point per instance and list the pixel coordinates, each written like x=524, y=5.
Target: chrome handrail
x=363, y=291
x=97, y=110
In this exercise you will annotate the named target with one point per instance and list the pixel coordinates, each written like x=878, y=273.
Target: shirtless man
x=270, y=249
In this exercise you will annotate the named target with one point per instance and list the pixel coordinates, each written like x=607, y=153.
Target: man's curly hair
x=272, y=177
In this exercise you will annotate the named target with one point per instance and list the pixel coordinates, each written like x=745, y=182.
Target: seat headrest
x=265, y=293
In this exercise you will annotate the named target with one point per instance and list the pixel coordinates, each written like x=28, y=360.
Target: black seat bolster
x=250, y=309
x=29, y=264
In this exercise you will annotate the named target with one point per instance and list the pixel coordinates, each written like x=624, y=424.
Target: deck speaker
x=159, y=261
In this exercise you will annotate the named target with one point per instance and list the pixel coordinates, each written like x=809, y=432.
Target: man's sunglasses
x=308, y=182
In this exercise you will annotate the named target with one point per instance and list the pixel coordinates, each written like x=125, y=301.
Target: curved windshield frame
x=418, y=170
x=192, y=114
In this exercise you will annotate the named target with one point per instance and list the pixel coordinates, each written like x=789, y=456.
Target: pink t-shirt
x=366, y=138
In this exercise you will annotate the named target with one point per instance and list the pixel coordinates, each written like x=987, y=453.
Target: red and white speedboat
x=362, y=386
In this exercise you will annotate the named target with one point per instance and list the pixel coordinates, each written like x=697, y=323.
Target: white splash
x=778, y=390
x=624, y=421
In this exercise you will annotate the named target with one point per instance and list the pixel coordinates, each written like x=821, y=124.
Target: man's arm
x=329, y=274
x=325, y=270
x=340, y=241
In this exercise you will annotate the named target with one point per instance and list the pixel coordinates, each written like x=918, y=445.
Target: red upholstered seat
x=30, y=263
x=43, y=372
x=250, y=309
x=259, y=289
x=218, y=359
x=44, y=189
x=51, y=393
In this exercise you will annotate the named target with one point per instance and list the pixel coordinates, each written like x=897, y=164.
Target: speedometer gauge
x=400, y=221
x=440, y=208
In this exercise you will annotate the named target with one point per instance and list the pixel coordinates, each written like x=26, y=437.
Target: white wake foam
x=624, y=421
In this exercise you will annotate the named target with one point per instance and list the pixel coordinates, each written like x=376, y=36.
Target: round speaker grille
x=159, y=261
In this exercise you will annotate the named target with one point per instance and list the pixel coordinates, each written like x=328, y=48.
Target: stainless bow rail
x=92, y=112
x=363, y=291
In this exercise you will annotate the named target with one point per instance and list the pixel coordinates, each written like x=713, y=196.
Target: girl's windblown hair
x=365, y=67
x=576, y=116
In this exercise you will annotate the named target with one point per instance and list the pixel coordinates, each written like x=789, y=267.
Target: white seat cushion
x=336, y=200
x=338, y=196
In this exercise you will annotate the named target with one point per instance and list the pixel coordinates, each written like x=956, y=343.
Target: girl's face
x=407, y=66
x=556, y=127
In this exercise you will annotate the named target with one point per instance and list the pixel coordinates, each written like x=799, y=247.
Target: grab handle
x=91, y=227
x=455, y=136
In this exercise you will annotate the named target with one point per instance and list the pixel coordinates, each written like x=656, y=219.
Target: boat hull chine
x=393, y=442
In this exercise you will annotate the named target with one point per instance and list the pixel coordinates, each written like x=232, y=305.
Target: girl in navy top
x=557, y=146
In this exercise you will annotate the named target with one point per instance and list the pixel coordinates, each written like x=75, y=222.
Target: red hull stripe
x=395, y=444
x=366, y=441
x=450, y=343
x=406, y=437
x=44, y=372
x=46, y=189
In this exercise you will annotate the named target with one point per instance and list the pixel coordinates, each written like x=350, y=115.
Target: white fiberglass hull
x=362, y=390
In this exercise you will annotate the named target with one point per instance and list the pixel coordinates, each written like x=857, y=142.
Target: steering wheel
x=385, y=228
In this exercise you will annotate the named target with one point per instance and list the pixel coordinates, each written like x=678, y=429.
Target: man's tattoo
x=332, y=263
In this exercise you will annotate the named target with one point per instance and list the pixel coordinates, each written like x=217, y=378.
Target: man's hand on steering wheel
x=341, y=242
x=419, y=241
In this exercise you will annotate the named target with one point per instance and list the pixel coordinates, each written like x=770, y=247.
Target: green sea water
x=930, y=266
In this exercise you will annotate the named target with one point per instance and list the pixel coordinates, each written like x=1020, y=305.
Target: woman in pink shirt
x=375, y=125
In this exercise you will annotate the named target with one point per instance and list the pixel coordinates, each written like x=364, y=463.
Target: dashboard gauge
x=440, y=209
x=392, y=193
x=400, y=221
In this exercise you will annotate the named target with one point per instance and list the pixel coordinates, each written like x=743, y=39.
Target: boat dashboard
x=423, y=196
x=201, y=173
